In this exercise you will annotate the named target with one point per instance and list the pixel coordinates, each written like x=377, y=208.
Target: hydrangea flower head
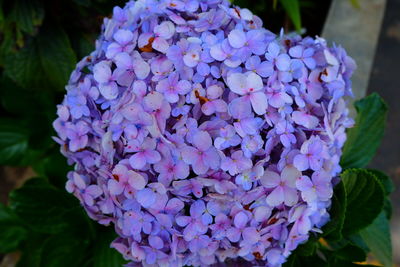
x=201, y=136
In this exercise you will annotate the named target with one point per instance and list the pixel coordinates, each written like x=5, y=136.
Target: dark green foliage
x=361, y=208
x=364, y=138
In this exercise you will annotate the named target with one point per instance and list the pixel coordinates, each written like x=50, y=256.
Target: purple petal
x=259, y=102
x=137, y=161
x=202, y=140
x=300, y=161
x=237, y=38
x=146, y=197
x=240, y=220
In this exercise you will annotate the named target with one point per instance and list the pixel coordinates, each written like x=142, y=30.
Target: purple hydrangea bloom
x=203, y=137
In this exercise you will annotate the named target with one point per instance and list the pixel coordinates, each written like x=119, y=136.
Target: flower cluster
x=202, y=136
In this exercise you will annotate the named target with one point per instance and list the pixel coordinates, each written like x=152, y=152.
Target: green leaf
x=32, y=250
x=44, y=62
x=12, y=231
x=377, y=237
x=57, y=57
x=333, y=229
x=309, y=247
x=55, y=168
x=13, y=142
x=351, y=253
x=64, y=250
x=27, y=14
x=365, y=196
x=365, y=137
x=45, y=208
x=104, y=255
x=305, y=261
x=292, y=8
x=24, y=67
x=384, y=179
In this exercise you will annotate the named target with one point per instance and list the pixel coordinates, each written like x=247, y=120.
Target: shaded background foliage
x=40, y=43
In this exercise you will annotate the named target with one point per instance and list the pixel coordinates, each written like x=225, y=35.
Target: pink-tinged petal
x=141, y=68
x=251, y=235
x=265, y=69
x=160, y=44
x=113, y=49
x=304, y=119
x=212, y=158
x=262, y=213
x=206, y=219
x=252, y=63
x=197, y=188
x=300, y=161
x=181, y=170
x=156, y=242
x=276, y=100
x=191, y=59
x=283, y=62
x=144, y=39
x=88, y=199
x=197, y=208
x=208, y=108
x=79, y=181
x=237, y=38
x=165, y=30
x=240, y=108
x=237, y=82
x=274, y=49
x=324, y=191
x=152, y=156
x=171, y=96
x=109, y=91
x=309, y=195
x=94, y=190
x=249, y=126
x=182, y=221
x=202, y=140
x=137, y=161
x=276, y=197
x=304, y=225
x=254, y=82
x=114, y=187
x=240, y=220
x=102, y=72
x=217, y=53
x=310, y=63
x=190, y=155
x=136, y=180
x=316, y=163
x=200, y=167
x=290, y=174
x=174, y=206
x=146, y=197
x=183, y=87
x=259, y=102
x=270, y=179
x=296, y=51
x=303, y=183
x=220, y=105
x=233, y=234
x=315, y=147
x=74, y=145
x=123, y=37
x=123, y=60
x=139, y=88
x=291, y=196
